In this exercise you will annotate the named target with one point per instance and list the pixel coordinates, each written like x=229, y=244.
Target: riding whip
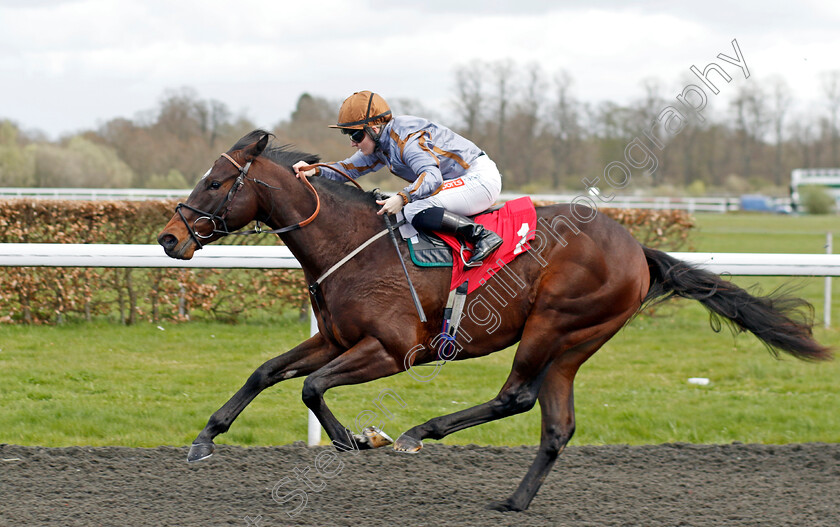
x=405, y=270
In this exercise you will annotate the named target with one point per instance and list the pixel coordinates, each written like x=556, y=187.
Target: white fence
x=765, y=264
x=704, y=204
x=93, y=194
x=125, y=255
x=692, y=205
x=279, y=257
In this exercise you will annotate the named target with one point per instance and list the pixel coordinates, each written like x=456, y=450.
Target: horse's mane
x=286, y=156
x=283, y=155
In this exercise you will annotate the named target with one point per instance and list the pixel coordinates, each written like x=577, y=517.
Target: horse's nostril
x=168, y=241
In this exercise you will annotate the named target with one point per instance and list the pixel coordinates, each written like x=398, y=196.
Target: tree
x=184, y=134
x=81, y=163
x=529, y=111
x=566, y=131
x=643, y=117
x=751, y=120
x=831, y=87
x=469, y=96
x=173, y=179
x=803, y=138
x=308, y=128
x=779, y=106
x=136, y=146
x=17, y=162
x=213, y=118
x=181, y=114
x=503, y=75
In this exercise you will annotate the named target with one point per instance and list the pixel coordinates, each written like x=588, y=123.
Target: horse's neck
x=339, y=228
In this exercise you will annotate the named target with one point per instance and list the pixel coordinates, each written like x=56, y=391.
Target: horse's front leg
x=303, y=359
x=366, y=361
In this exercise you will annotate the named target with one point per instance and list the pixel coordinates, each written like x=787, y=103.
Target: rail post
x=314, y=431
x=829, y=239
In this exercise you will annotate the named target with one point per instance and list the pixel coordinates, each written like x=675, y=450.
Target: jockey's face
x=366, y=145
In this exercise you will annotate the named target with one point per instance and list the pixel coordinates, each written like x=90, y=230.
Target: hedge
x=52, y=295
x=38, y=295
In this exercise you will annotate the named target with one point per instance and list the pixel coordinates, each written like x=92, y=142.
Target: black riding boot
x=484, y=241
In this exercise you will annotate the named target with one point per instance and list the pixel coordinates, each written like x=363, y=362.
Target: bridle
x=216, y=219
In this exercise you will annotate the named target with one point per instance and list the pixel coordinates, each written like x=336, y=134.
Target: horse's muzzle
x=175, y=248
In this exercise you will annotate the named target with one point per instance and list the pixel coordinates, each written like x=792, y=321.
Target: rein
x=316, y=165
x=314, y=288
x=214, y=217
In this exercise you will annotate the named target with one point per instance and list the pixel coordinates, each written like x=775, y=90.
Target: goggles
x=357, y=136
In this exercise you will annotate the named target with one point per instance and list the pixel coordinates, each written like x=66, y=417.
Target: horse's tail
x=781, y=321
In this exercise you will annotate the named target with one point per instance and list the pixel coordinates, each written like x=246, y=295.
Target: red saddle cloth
x=515, y=222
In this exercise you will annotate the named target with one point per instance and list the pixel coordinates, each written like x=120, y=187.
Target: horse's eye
x=215, y=185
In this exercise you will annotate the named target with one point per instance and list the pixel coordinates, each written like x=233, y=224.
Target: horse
x=582, y=280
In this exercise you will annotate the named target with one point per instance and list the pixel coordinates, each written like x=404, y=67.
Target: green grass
x=768, y=233
x=764, y=233
x=103, y=384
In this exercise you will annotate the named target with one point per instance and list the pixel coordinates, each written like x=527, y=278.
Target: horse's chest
x=340, y=323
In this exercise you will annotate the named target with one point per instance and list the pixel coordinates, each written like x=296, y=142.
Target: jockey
x=449, y=177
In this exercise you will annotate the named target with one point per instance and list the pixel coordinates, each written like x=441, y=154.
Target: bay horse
x=582, y=280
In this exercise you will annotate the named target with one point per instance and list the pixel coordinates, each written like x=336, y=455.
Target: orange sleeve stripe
x=431, y=151
x=417, y=183
x=455, y=157
x=351, y=166
x=396, y=138
x=422, y=142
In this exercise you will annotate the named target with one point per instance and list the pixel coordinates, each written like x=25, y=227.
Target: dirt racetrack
x=668, y=485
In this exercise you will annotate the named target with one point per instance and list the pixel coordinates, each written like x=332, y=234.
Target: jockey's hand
x=298, y=172
x=392, y=205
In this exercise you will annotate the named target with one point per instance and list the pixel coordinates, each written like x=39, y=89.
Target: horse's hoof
x=199, y=451
x=502, y=506
x=375, y=437
x=361, y=443
x=408, y=444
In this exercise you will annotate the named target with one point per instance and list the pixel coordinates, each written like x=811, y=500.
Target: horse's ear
x=253, y=151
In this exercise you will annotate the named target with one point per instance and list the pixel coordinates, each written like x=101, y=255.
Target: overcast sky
x=70, y=65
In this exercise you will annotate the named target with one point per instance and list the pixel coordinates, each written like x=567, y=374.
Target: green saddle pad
x=429, y=251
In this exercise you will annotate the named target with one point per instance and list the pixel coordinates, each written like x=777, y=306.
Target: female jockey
x=449, y=177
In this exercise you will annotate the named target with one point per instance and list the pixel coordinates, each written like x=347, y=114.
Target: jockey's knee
x=428, y=219
x=421, y=207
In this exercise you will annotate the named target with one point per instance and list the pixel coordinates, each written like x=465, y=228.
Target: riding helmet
x=363, y=109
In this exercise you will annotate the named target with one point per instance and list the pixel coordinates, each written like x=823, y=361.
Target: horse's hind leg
x=558, y=425
x=303, y=359
x=519, y=393
x=534, y=376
